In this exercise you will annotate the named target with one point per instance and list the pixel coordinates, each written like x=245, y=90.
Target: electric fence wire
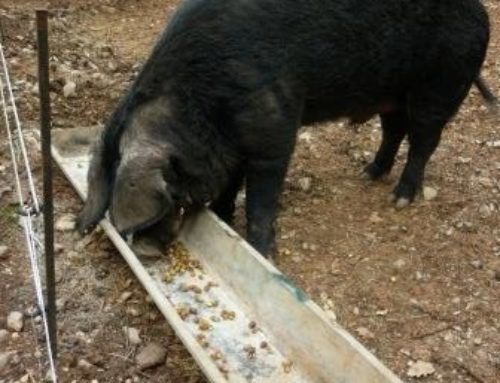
x=31, y=237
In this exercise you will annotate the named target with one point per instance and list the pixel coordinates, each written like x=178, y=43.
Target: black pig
x=229, y=83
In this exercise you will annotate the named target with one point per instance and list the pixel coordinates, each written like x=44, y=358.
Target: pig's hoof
x=365, y=176
x=402, y=202
x=403, y=195
x=373, y=172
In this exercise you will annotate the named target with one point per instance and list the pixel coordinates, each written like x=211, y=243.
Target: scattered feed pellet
x=228, y=315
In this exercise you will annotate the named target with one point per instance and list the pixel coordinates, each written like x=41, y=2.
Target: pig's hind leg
x=430, y=107
x=394, y=128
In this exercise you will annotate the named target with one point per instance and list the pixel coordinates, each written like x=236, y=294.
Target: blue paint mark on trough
x=299, y=294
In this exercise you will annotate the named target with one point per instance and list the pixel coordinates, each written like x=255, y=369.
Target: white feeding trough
x=240, y=317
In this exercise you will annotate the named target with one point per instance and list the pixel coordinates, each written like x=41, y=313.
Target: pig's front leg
x=263, y=188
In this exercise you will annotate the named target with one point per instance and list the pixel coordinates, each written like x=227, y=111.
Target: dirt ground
x=420, y=284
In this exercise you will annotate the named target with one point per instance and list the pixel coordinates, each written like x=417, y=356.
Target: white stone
x=85, y=365
x=496, y=144
x=150, y=356
x=375, y=217
x=365, y=333
x=420, y=369
x=132, y=335
x=3, y=251
x=399, y=264
x=133, y=311
x=305, y=136
x=15, y=321
x=4, y=335
x=125, y=296
x=5, y=358
x=69, y=89
x=485, y=210
x=65, y=223
x=429, y=193
x=305, y=183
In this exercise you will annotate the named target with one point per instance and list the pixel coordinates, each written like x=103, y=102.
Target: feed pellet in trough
x=212, y=315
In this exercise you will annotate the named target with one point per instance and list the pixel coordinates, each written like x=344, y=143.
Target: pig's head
x=145, y=191
x=141, y=197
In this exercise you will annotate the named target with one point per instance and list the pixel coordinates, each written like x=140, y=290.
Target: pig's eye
x=132, y=185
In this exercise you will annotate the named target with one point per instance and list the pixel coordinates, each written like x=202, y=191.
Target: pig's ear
x=139, y=202
x=99, y=190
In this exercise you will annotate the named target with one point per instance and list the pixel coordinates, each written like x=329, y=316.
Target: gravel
x=15, y=321
x=150, y=356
